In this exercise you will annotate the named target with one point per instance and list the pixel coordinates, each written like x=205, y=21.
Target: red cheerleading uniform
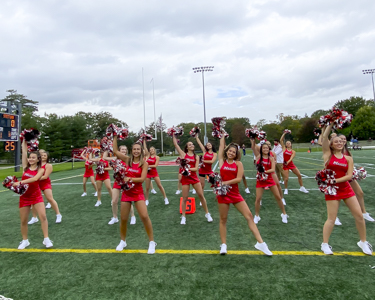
x=33, y=195
x=115, y=185
x=152, y=172
x=105, y=175
x=267, y=164
x=46, y=183
x=192, y=178
x=340, y=166
x=206, y=169
x=287, y=155
x=136, y=192
x=88, y=170
x=229, y=172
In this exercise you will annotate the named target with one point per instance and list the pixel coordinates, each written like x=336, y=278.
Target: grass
x=171, y=276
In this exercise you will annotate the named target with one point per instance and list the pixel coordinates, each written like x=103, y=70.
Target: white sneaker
x=153, y=191
x=208, y=217
x=113, y=221
x=183, y=220
x=337, y=222
x=146, y=202
x=84, y=194
x=48, y=243
x=284, y=218
x=223, y=249
x=283, y=200
x=58, y=218
x=200, y=203
x=303, y=190
x=166, y=202
x=264, y=248
x=247, y=191
x=178, y=192
x=98, y=203
x=327, y=249
x=367, y=217
x=133, y=220
x=121, y=246
x=256, y=219
x=48, y=205
x=366, y=247
x=281, y=182
x=194, y=192
x=286, y=192
x=23, y=244
x=151, y=247
x=96, y=194
x=33, y=220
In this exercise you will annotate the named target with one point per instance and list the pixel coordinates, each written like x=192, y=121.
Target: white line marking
x=215, y=166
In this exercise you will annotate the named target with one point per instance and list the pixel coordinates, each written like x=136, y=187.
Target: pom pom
x=184, y=165
x=359, y=173
x=89, y=163
x=19, y=189
x=31, y=137
x=216, y=183
x=100, y=167
x=175, y=131
x=262, y=135
x=121, y=133
x=252, y=133
x=339, y=117
x=93, y=151
x=218, y=130
x=326, y=181
x=143, y=136
x=106, y=144
x=120, y=173
x=261, y=176
x=287, y=131
x=317, y=131
x=201, y=162
x=196, y=130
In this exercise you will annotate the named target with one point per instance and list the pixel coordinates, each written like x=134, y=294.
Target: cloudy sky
x=269, y=57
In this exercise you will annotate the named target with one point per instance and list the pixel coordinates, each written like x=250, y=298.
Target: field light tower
x=203, y=70
x=371, y=71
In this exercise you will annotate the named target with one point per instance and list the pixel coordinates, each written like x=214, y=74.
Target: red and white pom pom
x=119, y=171
x=262, y=135
x=143, y=136
x=184, y=165
x=359, y=173
x=261, y=176
x=287, y=131
x=252, y=133
x=326, y=181
x=89, y=163
x=317, y=131
x=106, y=145
x=218, y=130
x=19, y=189
x=100, y=167
x=175, y=131
x=127, y=185
x=216, y=183
x=201, y=162
x=31, y=137
x=196, y=130
x=339, y=117
x=121, y=133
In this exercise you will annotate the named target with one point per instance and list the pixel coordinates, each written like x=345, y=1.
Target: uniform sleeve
x=277, y=150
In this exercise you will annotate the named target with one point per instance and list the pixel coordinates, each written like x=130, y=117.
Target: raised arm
x=221, y=151
x=282, y=141
x=147, y=153
x=24, y=154
x=83, y=154
x=255, y=148
x=182, y=153
x=116, y=152
x=320, y=139
x=325, y=142
x=200, y=144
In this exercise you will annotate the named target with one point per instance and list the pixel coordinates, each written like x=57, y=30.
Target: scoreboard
x=8, y=127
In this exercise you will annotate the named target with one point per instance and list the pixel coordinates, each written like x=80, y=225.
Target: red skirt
x=89, y=173
x=116, y=186
x=289, y=166
x=28, y=202
x=45, y=184
x=230, y=198
x=344, y=191
x=153, y=172
x=134, y=194
x=266, y=183
x=192, y=179
x=102, y=177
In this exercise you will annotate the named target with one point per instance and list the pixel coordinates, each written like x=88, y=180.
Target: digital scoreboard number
x=8, y=127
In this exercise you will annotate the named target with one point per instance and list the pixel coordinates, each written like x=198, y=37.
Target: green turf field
x=190, y=271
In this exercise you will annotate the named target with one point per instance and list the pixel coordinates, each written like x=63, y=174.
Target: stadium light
x=203, y=70
x=371, y=71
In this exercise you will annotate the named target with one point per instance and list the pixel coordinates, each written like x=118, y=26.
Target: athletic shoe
x=367, y=217
x=33, y=220
x=283, y=200
x=48, y=205
x=58, y=218
x=281, y=182
x=121, y=246
x=113, y=221
x=153, y=191
x=264, y=248
x=98, y=203
x=96, y=194
x=178, y=192
x=146, y=202
x=256, y=219
x=48, y=243
x=208, y=217
x=23, y=244
x=286, y=192
x=337, y=222
x=303, y=190
x=151, y=247
x=183, y=220
x=84, y=194
x=366, y=247
x=327, y=249
x=247, y=191
x=200, y=203
x=166, y=202
x=223, y=249
x=284, y=218
x=194, y=192
x=133, y=220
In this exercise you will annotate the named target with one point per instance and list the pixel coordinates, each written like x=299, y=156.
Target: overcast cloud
x=270, y=57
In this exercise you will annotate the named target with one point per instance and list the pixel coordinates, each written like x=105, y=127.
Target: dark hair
x=276, y=140
x=232, y=145
x=213, y=147
x=39, y=163
x=261, y=152
x=186, y=149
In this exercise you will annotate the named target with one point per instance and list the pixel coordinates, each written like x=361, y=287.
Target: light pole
x=371, y=71
x=202, y=70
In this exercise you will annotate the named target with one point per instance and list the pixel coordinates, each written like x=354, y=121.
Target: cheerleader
x=153, y=161
x=267, y=163
x=209, y=157
x=116, y=189
x=231, y=171
x=192, y=179
x=33, y=196
x=103, y=178
x=289, y=154
x=137, y=173
x=342, y=165
x=46, y=188
x=89, y=173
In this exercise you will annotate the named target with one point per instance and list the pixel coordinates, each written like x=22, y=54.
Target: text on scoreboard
x=8, y=127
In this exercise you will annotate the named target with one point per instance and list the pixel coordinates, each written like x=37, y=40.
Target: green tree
x=353, y=104
x=273, y=130
x=363, y=124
